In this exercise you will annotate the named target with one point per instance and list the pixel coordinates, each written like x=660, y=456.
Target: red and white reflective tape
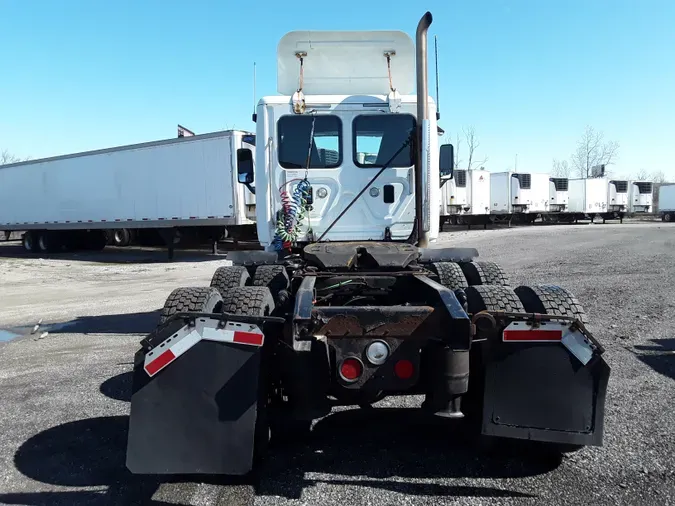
x=205, y=329
x=551, y=332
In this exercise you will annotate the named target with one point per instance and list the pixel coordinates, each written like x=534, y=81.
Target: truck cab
x=346, y=107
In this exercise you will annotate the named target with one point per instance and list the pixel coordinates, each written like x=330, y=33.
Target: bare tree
x=472, y=143
x=593, y=150
x=641, y=175
x=561, y=168
x=7, y=157
x=658, y=177
x=456, y=145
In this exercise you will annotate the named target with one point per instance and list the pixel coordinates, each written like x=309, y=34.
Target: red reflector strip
x=533, y=335
x=160, y=362
x=247, y=338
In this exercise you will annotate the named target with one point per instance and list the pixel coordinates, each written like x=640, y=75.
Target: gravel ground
x=65, y=394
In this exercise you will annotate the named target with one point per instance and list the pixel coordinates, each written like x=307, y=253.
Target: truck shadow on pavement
x=373, y=446
x=118, y=387
x=660, y=357
x=127, y=323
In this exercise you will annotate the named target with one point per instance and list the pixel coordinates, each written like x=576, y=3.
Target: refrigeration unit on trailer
x=666, y=194
x=640, y=196
x=465, y=199
x=558, y=200
x=511, y=196
x=348, y=304
x=593, y=197
x=178, y=187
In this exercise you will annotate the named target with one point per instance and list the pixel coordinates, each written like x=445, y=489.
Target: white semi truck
x=171, y=188
x=465, y=199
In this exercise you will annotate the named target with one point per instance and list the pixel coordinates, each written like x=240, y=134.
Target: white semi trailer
x=465, y=199
x=641, y=196
x=511, y=196
x=667, y=202
x=172, y=188
x=600, y=196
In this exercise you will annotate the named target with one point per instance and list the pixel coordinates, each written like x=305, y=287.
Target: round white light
x=377, y=352
x=374, y=191
x=322, y=193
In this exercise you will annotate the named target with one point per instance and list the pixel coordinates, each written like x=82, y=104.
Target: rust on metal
x=370, y=322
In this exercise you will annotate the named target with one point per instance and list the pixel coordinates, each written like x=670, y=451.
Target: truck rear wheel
x=450, y=275
x=256, y=301
x=551, y=300
x=667, y=217
x=273, y=277
x=191, y=299
x=483, y=298
x=121, y=237
x=228, y=277
x=484, y=273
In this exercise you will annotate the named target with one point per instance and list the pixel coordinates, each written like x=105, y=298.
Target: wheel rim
x=28, y=243
x=667, y=217
x=41, y=243
x=118, y=237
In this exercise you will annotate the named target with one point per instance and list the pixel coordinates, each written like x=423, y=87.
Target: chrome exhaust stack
x=422, y=205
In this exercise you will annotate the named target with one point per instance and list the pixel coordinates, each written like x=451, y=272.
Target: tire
x=667, y=217
x=484, y=273
x=48, y=242
x=493, y=298
x=273, y=277
x=255, y=301
x=551, y=300
x=248, y=300
x=95, y=240
x=29, y=242
x=228, y=277
x=121, y=237
x=197, y=299
x=450, y=275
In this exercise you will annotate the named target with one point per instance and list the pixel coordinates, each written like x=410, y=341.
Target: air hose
x=290, y=216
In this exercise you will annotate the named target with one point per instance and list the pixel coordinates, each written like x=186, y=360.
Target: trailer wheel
x=29, y=242
x=667, y=217
x=191, y=299
x=273, y=277
x=48, y=242
x=450, y=275
x=484, y=273
x=121, y=237
x=228, y=277
x=551, y=300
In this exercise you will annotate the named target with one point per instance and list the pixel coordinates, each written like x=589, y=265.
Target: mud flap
x=542, y=392
x=198, y=414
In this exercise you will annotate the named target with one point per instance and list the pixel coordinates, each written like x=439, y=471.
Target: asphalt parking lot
x=65, y=388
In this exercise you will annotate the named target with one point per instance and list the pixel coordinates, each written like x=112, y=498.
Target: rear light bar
x=542, y=333
x=567, y=334
x=207, y=329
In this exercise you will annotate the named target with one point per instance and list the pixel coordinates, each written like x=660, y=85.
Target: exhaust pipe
x=422, y=123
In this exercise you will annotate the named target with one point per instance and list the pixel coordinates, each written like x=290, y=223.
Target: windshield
x=294, y=134
x=377, y=137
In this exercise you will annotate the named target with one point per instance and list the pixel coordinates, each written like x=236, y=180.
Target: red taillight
x=351, y=369
x=404, y=369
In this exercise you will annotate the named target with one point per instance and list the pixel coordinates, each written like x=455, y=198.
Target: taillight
x=351, y=369
x=404, y=369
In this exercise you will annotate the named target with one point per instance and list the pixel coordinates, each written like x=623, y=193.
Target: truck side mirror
x=244, y=166
x=446, y=161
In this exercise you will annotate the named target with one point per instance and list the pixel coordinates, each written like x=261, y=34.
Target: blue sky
x=528, y=75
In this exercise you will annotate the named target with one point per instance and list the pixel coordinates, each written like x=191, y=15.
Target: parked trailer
x=511, y=196
x=558, y=201
x=465, y=199
x=178, y=187
x=351, y=306
x=667, y=202
x=640, y=196
x=600, y=196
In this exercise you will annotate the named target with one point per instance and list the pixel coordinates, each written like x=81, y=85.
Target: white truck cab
x=346, y=107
